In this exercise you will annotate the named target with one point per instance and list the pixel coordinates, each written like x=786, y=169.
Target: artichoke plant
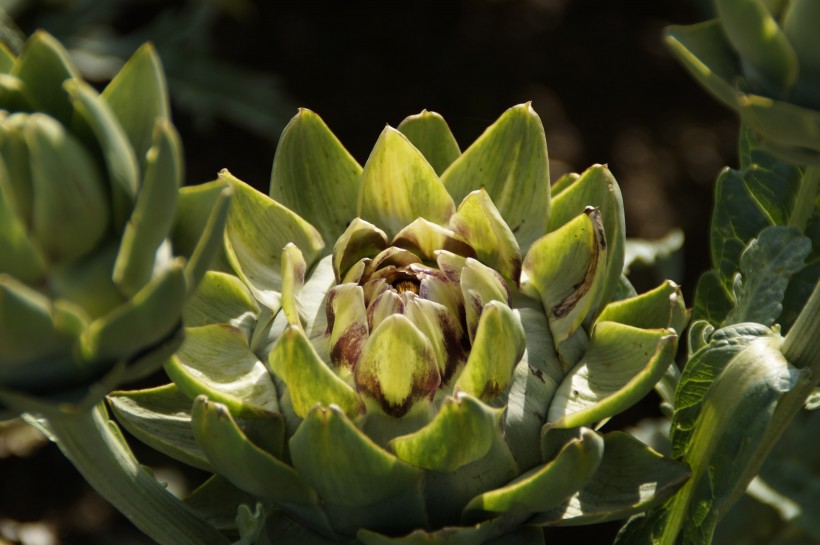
x=91, y=289
x=762, y=59
x=367, y=362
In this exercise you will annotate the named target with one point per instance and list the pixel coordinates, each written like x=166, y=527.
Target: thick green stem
x=805, y=199
x=97, y=449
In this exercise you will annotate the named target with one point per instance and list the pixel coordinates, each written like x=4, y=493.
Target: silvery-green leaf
x=620, y=367
x=7, y=59
x=766, y=266
x=769, y=60
x=479, y=222
x=596, y=187
x=215, y=360
x=138, y=97
x=161, y=418
x=649, y=253
x=95, y=116
x=152, y=217
x=399, y=185
x=17, y=184
x=258, y=229
x=310, y=156
x=461, y=432
x=706, y=53
x=509, y=160
x=43, y=66
x=309, y=380
x=429, y=133
x=631, y=478
x=498, y=346
x=786, y=130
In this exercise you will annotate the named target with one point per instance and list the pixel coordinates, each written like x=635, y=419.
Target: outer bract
x=417, y=351
x=762, y=59
x=91, y=290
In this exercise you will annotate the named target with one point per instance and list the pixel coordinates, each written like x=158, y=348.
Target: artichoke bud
x=416, y=365
x=84, y=227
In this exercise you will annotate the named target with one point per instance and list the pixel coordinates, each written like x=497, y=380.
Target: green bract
x=417, y=351
x=762, y=58
x=91, y=290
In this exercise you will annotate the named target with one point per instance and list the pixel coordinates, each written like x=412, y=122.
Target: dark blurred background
x=597, y=72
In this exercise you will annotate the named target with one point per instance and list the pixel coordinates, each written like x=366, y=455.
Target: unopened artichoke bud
x=91, y=288
x=419, y=349
x=762, y=59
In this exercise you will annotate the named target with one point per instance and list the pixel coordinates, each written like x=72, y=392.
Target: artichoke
x=91, y=289
x=368, y=363
x=762, y=59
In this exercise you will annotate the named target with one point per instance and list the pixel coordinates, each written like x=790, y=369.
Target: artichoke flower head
x=370, y=362
x=91, y=289
x=762, y=59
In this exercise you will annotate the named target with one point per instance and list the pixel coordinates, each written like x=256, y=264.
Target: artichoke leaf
x=210, y=243
x=43, y=66
x=347, y=323
x=36, y=331
x=310, y=155
x=631, y=478
x=662, y=307
x=70, y=214
x=221, y=298
x=138, y=97
x=623, y=363
x=251, y=468
x=361, y=474
x=783, y=123
x=257, y=230
x=361, y=239
x=480, y=223
x=215, y=361
x=161, y=418
x=398, y=185
x=92, y=113
x=309, y=380
x=476, y=534
x=152, y=218
x=152, y=314
x=462, y=432
x=509, y=160
x=546, y=486
x=293, y=279
x=7, y=59
x=497, y=349
x=216, y=500
x=431, y=135
x=566, y=269
x=424, y=238
x=597, y=187
x=19, y=256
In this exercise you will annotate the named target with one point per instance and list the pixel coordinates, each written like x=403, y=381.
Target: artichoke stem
x=805, y=199
x=98, y=451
